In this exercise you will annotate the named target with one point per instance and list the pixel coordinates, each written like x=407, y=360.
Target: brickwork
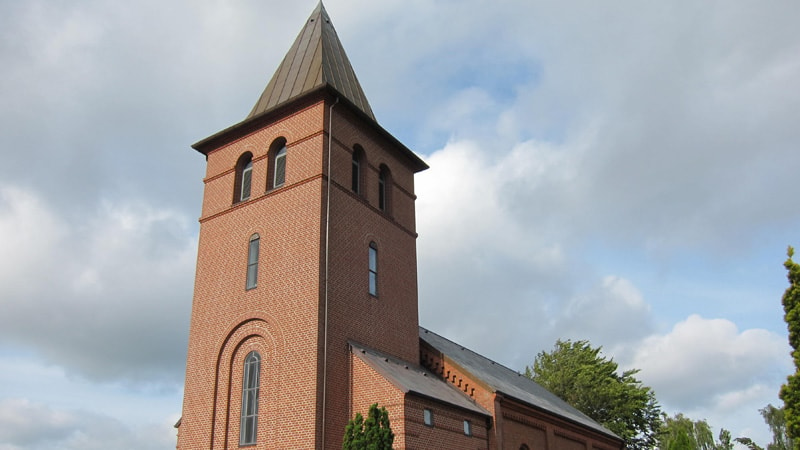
x=388, y=322
x=367, y=387
x=447, y=431
x=286, y=299
x=515, y=423
x=291, y=291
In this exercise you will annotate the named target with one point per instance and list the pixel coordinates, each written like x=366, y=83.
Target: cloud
x=32, y=426
x=479, y=258
x=710, y=363
x=104, y=297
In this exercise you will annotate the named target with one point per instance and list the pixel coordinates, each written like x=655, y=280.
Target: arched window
x=358, y=169
x=244, y=177
x=373, y=269
x=249, y=414
x=252, y=262
x=276, y=176
x=384, y=188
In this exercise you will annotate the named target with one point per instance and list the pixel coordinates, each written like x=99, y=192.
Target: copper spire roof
x=316, y=59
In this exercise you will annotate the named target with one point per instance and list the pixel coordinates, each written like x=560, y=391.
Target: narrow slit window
x=467, y=428
x=280, y=168
x=252, y=262
x=427, y=417
x=373, y=269
x=250, y=386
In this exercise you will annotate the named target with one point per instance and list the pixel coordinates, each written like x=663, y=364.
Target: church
x=305, y=300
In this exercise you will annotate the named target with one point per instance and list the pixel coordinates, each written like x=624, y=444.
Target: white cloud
x=28, y=233
x=709, y=363
x=33, y=426
x=104, y=297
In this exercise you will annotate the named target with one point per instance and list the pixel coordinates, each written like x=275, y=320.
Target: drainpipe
x=327, y=265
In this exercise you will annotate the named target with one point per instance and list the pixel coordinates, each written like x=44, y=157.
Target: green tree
x=790, y=392
x=725, y=441
x=775, y=418
x=585, y=379
x=682, y=433
x=374, y=433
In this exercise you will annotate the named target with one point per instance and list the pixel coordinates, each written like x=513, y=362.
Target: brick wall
x=280, y=316
x=284, y=317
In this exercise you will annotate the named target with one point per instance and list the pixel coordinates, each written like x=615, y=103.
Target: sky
x=620, y=172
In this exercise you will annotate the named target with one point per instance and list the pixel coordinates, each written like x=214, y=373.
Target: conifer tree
x=790, y=392
x=374, y=433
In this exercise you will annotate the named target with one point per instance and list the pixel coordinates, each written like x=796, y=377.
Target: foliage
x=776, y=419
x=375, y=433
x=747, y=442
x=681, y=433
x=725, y=441
x=790, y=392
x=578, y=374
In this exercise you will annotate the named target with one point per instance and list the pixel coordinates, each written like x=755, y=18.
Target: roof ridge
x=474, y=352
x=388, y=357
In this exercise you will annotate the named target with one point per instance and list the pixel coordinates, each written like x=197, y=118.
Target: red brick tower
x=307, y=241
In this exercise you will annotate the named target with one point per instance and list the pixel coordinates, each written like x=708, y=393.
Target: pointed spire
x=316, y=59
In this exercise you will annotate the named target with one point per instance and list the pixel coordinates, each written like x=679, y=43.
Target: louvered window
x=280, y=168
x=243, y=179
x=247, y=178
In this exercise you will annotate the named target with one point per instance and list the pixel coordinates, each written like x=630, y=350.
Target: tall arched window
x=373, y=269
x=276, y=175
x=249, y=414
x=384, y=188
x=244, y=177
x=358, y=169
x=252, y=262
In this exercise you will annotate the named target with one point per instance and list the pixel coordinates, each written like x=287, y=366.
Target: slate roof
x=316, y=59
x=411, y=378
x=508, y=382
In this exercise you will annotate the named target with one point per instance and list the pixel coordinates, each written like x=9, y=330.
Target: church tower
x=307, y=245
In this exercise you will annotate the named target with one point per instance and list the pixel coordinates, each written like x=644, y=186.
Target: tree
x=578, y=374
x=681, y=433
x=776, y=419
x=375, y=433
x=790, y=392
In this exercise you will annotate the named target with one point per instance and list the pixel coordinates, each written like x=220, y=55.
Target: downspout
x=327, y=265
